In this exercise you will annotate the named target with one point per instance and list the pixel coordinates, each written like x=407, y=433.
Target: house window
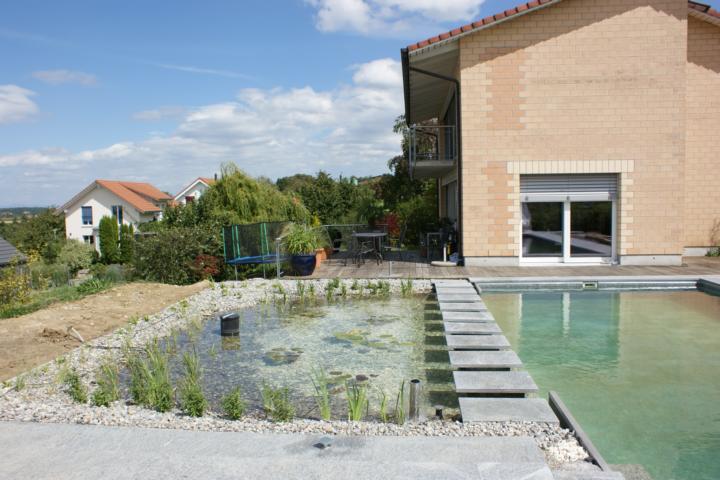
x=87, y=216
x=117, y=212
x=89, y=239
x=189, y=199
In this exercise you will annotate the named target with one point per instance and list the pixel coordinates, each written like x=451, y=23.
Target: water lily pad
x=280, y=357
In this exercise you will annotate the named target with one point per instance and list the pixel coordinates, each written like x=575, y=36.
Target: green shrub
x=94, y=285
x=167, y=256
x=713, y=252
x=109, y=236
x=192, y=399
x=76, y=255
x=53, y=275
x=74, y=386
x=108, y=380
x=14, y=285
x=233, y=405
x=277, y=404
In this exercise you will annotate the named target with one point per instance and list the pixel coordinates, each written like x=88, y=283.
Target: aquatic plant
x=355, y=285
x=357, y=400
x=343, y=291
x=233, y=404
x=74, y=386
x=192, y=398
x=224, y=290
x=150, y=384
x=20, y=383
x=108, y=389
x=334, y=283
x=212, y=351
x=276, y=403
x=406, y=287
x=320, y=382
x=383, y=407
x=400, y=414
x=300, y=289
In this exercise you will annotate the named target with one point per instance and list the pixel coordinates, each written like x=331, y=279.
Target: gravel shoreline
x=43, y=400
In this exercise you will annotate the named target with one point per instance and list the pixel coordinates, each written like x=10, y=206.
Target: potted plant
x=301, y=243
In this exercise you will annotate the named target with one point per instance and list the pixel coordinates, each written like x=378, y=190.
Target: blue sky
x=165, y=91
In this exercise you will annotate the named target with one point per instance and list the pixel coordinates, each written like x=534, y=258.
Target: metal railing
x=432, y=143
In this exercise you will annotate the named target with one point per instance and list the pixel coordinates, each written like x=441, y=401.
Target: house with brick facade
x=573, y=131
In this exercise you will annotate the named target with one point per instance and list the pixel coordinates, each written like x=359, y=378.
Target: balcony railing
x=432, y=146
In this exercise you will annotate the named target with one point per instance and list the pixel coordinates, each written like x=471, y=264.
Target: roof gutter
x=405, y=59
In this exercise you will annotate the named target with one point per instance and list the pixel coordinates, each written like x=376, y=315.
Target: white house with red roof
x=130, y=203
x=193, y=191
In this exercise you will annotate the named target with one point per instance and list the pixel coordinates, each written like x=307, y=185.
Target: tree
x=43, y=233
x=109, y=251
x=127, y=243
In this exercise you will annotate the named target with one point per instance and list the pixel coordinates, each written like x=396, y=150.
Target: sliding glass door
x=568, y=231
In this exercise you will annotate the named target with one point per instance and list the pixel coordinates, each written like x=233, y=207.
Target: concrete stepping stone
x=477, y=342
x=463, y=307
x=494, y=382
x=477, y=328
x=467, y=317
x=458, y=297
x=506, y=410
x=455, y=291
x=484, y=359
x=451, y=282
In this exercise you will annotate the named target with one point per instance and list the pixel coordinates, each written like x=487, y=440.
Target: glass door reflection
x=542, y=229
x=591, y=229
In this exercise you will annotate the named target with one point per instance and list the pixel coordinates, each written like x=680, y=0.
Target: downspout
x=458, y=121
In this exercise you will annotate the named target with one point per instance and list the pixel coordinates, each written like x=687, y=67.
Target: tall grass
x=277, y=404
x=320, y=382
x=108, y=380
x=406, y=287
x=400, y=414
x=357, y=400
x=192, y=398
x=150, y=384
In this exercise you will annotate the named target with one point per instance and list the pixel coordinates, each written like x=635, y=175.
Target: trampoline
x=254, y=244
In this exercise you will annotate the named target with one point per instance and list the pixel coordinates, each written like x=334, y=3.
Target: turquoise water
x=639, y=370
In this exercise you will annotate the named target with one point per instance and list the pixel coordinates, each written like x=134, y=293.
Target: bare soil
x=41, y=336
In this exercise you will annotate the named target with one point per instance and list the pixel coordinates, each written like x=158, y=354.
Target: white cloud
x=390, y=17
x=57, y=77
x=15, y=104
x=203, y=71
x=270, y=132
x=161, y=113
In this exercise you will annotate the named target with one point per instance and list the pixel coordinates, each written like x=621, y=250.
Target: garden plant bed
x=43, y=398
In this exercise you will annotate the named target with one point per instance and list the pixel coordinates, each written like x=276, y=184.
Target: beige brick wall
x=579, y=83
x=702, y=170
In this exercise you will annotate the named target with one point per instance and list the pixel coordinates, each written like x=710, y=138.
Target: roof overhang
x=704, y=12
x=425, y=95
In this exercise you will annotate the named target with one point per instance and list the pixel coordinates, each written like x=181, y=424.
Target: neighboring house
x=8, y=253
x=130, y=203
x=566, y=131
x=194, y=191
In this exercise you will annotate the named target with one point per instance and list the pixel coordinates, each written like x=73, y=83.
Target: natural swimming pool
x=377, y=341
x=640, y=370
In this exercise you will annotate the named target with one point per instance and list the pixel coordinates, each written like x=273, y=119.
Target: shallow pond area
x=378, y=341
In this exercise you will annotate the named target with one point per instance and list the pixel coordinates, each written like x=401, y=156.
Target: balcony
x=433, y=150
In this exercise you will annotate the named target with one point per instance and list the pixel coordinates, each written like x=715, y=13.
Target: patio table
x=377, y=239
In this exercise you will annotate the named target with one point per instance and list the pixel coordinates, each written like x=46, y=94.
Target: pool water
x=639, y=370
x=378, y=341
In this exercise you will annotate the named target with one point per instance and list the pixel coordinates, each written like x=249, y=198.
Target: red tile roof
x=520, y=10
x=702, y=8
x=143, y=196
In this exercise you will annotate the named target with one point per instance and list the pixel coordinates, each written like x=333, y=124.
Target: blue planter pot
x=303, y=265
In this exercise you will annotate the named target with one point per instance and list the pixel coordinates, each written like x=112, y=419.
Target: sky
x=165, y=91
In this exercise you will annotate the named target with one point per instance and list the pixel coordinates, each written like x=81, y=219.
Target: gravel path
x=42, y=398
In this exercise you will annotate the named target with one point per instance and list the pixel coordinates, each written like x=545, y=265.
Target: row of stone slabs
x=484, y=360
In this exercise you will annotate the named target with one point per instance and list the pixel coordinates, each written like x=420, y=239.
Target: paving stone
x=494, y=382
x=477, y=342
x=463, y=307
x=477, y=328
x=458, y=297
x=506, y=410
x=467, y=316
x=484, y=359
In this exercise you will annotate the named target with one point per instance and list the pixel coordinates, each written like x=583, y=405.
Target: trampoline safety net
x=252, y=243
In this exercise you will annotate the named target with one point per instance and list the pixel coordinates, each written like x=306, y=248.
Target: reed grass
x=320, y=382
x=357, y=400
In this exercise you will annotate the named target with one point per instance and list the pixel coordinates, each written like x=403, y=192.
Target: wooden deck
x=412, y=267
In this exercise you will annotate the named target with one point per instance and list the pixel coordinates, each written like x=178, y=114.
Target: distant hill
x=8, y=214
